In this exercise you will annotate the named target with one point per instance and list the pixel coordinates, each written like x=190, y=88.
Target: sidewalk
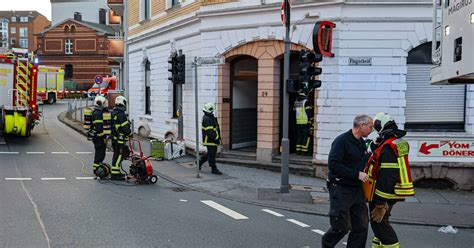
x=307, y=195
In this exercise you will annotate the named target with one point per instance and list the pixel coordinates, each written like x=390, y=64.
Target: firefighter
x=389, y=166
x=211, y=137
x=304, y=117
x=96, y=132
x=120, y=134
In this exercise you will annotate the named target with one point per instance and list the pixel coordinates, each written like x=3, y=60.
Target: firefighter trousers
x=385, y=236
x=117, y=158
x=302, y=138
x=347, y=214
x=210, y=156
x=99, y=151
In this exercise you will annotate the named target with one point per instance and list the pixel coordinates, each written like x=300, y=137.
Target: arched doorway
x=244, y=83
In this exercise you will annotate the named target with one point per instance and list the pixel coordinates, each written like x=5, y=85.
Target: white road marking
x=272, y=212
x=182, y=200
x=318, y=231
x=85, y=178
x=34, y=152
x=225, y=210
x=301, y=224
x=84, y=152
x=344, y=243
x=18, y=178
x=9, y=152
x=59, y=152
x=52, y=178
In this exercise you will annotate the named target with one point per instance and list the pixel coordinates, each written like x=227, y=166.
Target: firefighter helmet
x=381, y=121
x=99, y=101
x=121, y=100
x=208, y=108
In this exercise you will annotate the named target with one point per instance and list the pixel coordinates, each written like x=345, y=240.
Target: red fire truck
x=18, y=94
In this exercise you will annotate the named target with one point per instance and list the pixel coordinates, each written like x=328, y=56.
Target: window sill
x=146, y=117
x=172, y=120
x=145, y=21
x=176, y=6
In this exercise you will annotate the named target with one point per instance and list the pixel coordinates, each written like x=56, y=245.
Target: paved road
x=49, y=200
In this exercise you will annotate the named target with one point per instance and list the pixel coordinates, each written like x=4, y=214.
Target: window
x=24, y=32
x=68, y=71
x=145, y=10
x=431, y=107
x=68, y=46
x=23, y=43
x=13, y=30
x=102, y=16
x=13, y=18
x=174, y=2
x=147, y=88
x=23, y=18
x=13, y=41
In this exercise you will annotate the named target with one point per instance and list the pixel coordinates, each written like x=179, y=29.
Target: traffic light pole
x=196, y=112
x=180, y=105
x=285, y=142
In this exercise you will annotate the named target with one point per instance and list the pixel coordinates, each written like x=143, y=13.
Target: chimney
x=78, y=16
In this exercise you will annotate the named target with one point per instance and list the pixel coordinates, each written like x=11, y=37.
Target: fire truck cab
x=453, y=42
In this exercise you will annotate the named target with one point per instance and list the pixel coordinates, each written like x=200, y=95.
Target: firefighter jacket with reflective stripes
x=97, y=129
x=304, y=112
x=120, y=126
x=389, y=166
x=211, y=134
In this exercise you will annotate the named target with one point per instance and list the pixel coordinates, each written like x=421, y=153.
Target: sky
x=42, y=6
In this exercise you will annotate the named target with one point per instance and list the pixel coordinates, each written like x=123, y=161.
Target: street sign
x=98, y=79
x=446, y=148
x=285, y=15
x=210, y=60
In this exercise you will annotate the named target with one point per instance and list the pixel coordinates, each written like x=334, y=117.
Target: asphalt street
x=49, y=199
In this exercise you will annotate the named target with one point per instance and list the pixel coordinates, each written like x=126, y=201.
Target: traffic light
x=181, y=69
x=172, y=68
x=309, y=70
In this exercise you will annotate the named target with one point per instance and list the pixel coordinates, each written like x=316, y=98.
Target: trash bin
x=157, y=149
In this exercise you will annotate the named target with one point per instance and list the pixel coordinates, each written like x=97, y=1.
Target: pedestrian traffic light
x=172, y=68
x=309, y=70
x=180, y=69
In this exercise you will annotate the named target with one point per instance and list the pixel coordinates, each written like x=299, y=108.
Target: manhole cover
x=179, y=189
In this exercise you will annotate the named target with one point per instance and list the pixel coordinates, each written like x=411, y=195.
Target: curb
x=63, y=118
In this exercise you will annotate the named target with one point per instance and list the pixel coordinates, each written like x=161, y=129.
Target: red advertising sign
x=446, y=148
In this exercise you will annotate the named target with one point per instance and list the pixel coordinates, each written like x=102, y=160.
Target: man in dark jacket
x=120, y=134
x=211, y=137
x=96, y=132
x=346, y=162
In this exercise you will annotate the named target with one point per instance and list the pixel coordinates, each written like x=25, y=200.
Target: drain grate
x=180, y=189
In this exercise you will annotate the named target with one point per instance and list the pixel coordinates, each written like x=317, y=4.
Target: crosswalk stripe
x=84, y=152
x=9, y=152
x=18, y=178
x=318, y=231
x=34, y=152
x=52, y=178
x=272, y=212
x=59, y=152
x=301, y=224
x=225, y=210
x=85, y=178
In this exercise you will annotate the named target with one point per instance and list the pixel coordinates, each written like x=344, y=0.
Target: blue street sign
x=98, y=79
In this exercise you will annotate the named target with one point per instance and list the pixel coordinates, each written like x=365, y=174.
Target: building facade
x=382, y=63
x=81, y=48
x=22, y=27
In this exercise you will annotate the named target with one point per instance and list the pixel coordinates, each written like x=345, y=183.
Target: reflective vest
x=97, y=129
x=404, y=186
x=301, y=116
x=119, y=121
